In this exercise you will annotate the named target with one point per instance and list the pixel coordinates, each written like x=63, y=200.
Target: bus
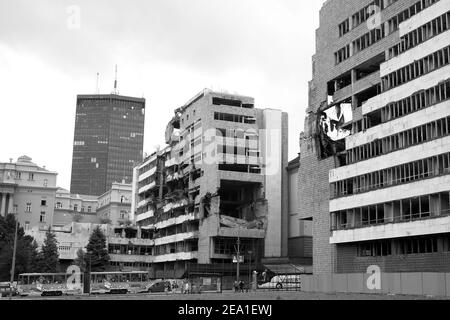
x=56, y=284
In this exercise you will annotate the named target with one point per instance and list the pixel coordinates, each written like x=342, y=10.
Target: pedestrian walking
x=241, y=286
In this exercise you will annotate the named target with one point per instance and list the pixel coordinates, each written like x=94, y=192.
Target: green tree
x=81, y=260
x=49, y=253
x=97, y=253
x=26, y=252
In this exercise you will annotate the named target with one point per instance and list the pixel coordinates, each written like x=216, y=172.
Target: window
x=123, y=214
x=45, y=182
x=31, y=176
x=27, y=225
x=342, y=54
x=42, y=217
x=58, y=205
x=18, y=175
x=344, y=27
x=28, y=207
x=437, y=129
x=75, y=207
x=419, y=35
x=89, y=209
x=404, y=173
x=43, y=203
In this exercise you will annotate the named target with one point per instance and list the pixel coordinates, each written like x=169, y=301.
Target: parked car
x=282, y=281
x=158, y=286
x=6, y=289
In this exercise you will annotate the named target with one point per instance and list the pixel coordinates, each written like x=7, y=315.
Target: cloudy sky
x=166, y=50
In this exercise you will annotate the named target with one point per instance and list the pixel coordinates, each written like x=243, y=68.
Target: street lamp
x=13, y=264
x=238, y=253
x=87, y=280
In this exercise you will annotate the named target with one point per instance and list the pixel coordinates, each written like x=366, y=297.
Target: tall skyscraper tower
x=108, y=141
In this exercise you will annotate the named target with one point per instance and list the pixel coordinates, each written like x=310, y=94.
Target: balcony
x=131, y=258
x=147, y=174
x=241, y=232
x=145, y=215
x=132, y=241
x=147, y=187
x=179, y=256
x=145, y=202
x=176, y=238
x=176, y=220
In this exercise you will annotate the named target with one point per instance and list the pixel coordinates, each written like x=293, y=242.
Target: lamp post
x=87, y=280
x=238, y=253
x=13, y=264
x=250, y=272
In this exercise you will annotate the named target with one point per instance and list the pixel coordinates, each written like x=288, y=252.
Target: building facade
x=221, y=180
x=374, y=162
x=127, y=247
x=28, y=191
x=74, y=208
x=300, y=231
x=108, y=142
x=114, y=205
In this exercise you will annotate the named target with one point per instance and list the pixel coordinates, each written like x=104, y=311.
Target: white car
x=282, y=281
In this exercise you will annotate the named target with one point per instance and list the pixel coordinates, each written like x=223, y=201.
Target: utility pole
x=13, y=265
x=238, y=252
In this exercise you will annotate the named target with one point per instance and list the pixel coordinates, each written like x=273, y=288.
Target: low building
x=128, y=247
x=28, y=191
x=74, y=208
x=114, y=206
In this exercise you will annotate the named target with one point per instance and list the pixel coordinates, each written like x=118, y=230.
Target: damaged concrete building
x=374, y=163
x=221, y=181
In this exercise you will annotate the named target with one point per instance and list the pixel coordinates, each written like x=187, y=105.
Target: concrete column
x=11, y=203
x=2, y=209
x=139, y=233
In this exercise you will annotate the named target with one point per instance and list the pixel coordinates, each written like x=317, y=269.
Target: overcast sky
x=166, y=51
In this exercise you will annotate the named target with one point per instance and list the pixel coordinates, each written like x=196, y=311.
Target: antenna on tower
x=97, y=90
x=115, y=83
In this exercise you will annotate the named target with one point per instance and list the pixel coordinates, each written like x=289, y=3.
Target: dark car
x=6, y=289
x=159, y=286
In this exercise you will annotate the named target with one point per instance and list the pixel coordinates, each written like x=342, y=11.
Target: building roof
x=294, y=163
x=25, y=161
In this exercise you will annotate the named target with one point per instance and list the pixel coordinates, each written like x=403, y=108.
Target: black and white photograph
x=219, y=159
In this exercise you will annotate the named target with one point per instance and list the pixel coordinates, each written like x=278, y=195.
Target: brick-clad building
x=375, y=158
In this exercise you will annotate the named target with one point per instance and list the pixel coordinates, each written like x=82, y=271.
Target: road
x=229, y=295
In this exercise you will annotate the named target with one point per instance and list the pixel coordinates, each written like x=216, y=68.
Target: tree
x=26, y=251
x=105, y=220
x=81, y=260
x=97, y=252
x=49, y=253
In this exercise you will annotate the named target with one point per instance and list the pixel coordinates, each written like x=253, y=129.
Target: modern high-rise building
x=218, y=190
x=108, y=142
x=375, y=154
